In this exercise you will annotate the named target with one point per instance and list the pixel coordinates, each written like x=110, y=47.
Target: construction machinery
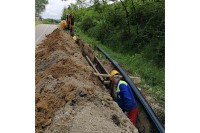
x=68, y=23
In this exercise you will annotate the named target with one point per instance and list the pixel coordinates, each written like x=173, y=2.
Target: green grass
x=37, y=22
x=46, y=21
x=136, y=65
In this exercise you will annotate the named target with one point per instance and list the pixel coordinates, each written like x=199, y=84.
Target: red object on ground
x=132, y=115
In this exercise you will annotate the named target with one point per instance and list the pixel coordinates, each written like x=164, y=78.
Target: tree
x=64, y=13
x=40, y=6
x=127, y=16
x=73, y=7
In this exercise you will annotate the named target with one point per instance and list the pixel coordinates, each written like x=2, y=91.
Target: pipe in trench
x=141, y=99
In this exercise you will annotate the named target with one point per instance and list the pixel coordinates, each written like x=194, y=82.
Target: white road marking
x=42, y=33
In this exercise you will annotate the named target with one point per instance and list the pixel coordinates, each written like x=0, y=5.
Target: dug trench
x=69, y=98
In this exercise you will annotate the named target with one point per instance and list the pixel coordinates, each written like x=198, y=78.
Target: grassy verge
x=46, y=21
x=152, y=77
x=37, y=22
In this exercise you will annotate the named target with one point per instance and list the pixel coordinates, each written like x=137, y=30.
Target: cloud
x=55, y=7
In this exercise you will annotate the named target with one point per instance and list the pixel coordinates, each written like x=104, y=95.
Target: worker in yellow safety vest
x=125, y=97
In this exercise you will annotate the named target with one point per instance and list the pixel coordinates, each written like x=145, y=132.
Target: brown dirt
x=68, y=97
x=144, y=125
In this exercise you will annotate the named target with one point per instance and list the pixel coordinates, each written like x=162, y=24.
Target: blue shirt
x=125, y=98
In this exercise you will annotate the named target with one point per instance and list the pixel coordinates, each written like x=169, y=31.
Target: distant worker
x=125, y=98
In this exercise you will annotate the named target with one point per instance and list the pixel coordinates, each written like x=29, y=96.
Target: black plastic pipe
x=141, y=99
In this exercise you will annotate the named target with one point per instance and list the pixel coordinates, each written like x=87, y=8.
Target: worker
x=125, y=98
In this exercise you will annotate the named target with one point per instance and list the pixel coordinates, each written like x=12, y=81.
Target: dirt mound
x=69, y=98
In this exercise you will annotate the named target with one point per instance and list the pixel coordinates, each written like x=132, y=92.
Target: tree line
x=131, y=26
x=40, y=6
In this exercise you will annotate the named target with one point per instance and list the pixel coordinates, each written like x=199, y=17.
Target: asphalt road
x=41, y=30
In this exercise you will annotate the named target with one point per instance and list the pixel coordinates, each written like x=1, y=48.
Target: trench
x=58, y=87
x=144, y=124
x=68, y=96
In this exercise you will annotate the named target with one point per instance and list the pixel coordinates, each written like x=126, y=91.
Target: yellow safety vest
x=120, y=82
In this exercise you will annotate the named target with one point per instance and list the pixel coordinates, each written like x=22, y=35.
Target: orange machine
x=68, y=23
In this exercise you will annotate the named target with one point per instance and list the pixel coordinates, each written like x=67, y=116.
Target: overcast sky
x=55, y=7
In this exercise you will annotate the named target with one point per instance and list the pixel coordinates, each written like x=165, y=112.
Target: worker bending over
x=125, y=98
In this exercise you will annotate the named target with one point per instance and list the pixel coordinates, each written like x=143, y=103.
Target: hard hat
x=113, y=72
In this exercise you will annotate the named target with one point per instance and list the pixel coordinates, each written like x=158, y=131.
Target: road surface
x=41, y=30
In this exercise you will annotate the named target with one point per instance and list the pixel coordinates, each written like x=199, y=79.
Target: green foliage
x=40, y=6
x=64, y=13
x=137, y=65
x=71, y=9
x=37, y=22
x=133, y=33
x=108, y=23
x=47, y=21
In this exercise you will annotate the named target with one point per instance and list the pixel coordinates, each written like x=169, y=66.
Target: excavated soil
x=68, y=97
x=144, y=125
